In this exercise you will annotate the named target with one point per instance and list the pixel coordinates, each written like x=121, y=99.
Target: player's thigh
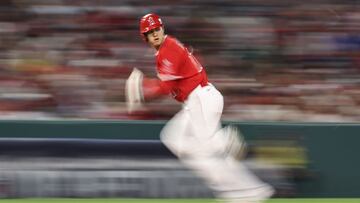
x=175, y=134
x=205, y=109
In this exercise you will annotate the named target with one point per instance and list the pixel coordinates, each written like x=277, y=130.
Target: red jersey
x=178, y=70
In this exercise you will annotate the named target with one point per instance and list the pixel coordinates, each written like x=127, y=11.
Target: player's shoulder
x=173, y=43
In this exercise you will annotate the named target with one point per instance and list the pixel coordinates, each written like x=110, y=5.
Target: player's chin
x=156, y=44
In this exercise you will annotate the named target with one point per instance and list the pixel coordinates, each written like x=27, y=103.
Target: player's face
x=155, y=37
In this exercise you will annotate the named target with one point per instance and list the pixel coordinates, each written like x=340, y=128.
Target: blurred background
x=65, y=63
x=273, y=60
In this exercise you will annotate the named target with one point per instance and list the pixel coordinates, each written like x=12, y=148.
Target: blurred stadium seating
x=273, y=60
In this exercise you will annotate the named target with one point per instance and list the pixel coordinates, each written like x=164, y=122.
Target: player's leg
x=230, y=178
x=180, y=135
x=175, y=134
x=185, y=142
x=203, y=111
x=229, y=142
x=190, y=135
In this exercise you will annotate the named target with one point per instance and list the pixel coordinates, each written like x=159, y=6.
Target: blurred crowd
x=273, y=60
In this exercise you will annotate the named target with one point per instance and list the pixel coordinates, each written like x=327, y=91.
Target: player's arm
x=154, y=88
x=139, y=89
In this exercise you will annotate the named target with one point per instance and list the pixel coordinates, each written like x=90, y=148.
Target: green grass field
x=64, y=200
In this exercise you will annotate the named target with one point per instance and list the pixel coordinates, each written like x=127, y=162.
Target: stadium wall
x=323, y=157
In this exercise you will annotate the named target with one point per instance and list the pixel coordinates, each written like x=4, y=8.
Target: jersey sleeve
x=154, y=88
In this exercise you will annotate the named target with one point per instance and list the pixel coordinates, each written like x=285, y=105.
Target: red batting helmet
x=148, y=22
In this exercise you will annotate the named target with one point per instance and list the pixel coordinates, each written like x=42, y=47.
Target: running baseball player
x=194, y=134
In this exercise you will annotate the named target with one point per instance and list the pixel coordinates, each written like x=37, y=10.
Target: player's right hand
x=133, y=90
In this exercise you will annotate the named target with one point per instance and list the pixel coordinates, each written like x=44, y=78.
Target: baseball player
x=194, y=134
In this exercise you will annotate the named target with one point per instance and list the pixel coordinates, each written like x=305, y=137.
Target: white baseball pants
x=195, y=136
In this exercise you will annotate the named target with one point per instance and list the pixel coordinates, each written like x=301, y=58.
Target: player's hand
x=133, y=90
